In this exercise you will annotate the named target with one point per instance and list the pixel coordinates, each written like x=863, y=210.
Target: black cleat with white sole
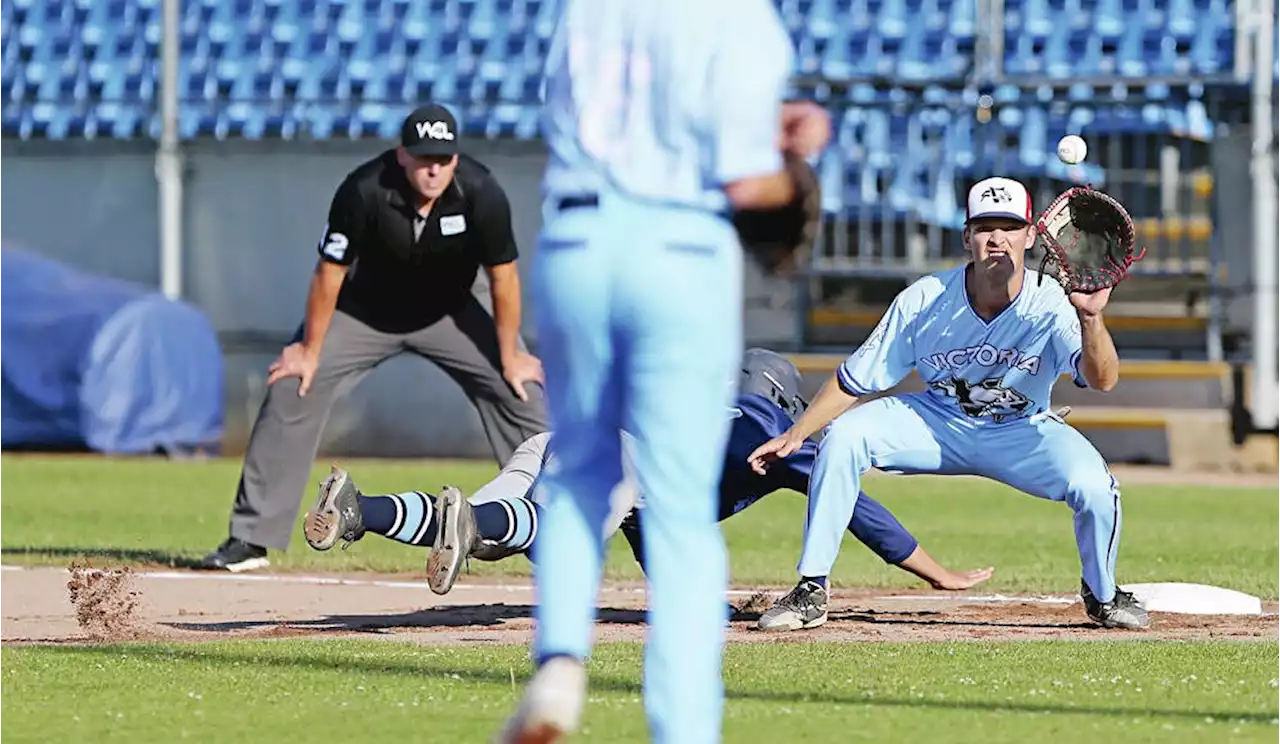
x=1123, y=611
x=803, y=607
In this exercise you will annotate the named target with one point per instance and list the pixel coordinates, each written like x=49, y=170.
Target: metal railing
x=896, y=177
x=897, y=210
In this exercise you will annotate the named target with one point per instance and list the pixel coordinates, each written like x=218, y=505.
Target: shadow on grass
x=418, y=666
x=922, y=618
x=123, y=555
x=926, y=617
x=454, y=616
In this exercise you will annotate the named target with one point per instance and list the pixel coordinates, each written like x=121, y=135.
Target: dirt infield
x=48, y=605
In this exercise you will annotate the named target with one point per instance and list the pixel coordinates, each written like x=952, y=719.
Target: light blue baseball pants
x=639, y=318
x=1040, y=455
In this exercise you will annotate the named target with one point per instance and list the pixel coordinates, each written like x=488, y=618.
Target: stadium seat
x=350, y=68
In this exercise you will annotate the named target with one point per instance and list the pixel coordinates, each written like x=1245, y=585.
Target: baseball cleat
x=336, y=513
x=1123, y=611
x=455, y=539
x=803, y=607
x=235, y=555
x=552, y=704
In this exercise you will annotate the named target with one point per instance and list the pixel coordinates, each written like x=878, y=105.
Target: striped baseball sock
x=408, y=517
x=511, y=522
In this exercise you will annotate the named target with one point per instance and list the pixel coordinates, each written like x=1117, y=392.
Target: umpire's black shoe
x=235, y=555
x=1123, y=611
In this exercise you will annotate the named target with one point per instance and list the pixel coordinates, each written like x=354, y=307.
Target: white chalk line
x=957, y=599
x=421, y=585
x=314, y=580
x=991, y=598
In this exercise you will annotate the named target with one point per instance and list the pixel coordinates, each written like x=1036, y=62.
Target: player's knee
x=846, y=438
x=1092, y=489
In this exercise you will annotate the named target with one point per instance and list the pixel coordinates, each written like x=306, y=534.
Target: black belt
x=578, y=201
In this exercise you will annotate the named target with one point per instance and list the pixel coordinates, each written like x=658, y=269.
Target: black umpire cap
x=430, y=130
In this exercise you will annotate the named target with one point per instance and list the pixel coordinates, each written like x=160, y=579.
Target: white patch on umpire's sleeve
x=453, y=224
x=336, y=246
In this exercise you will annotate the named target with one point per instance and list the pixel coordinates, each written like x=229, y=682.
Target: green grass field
x=377, y=691
x=55, y=510
x=112, y=511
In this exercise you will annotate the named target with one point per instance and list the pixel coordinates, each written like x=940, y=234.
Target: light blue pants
x=639, y=318
x=1040, y=455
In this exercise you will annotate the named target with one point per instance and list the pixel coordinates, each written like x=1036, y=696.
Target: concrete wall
x=254, y=212
x=85, y=203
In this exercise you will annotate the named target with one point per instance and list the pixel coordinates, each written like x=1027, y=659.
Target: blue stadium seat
x=350, y=68
x=877, y=139
x=959, y=142
x=1109, y=19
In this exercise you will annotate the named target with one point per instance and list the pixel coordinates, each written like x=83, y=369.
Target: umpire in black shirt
x=399, y=259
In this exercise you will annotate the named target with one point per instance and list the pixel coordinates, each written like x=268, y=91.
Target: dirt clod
x=106, y=602
x=755, y=604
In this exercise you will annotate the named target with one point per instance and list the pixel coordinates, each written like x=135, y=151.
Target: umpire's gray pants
x=287, y=432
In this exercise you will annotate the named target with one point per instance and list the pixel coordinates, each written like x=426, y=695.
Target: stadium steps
x=1197, y=439
x=1143, y=329
x=867, y=319
x=1186, y=405
x=1146, y=386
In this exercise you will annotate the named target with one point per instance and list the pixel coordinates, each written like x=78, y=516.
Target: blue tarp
x=96, y=363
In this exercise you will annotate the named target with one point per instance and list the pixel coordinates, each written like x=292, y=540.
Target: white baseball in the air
x=1071, y=149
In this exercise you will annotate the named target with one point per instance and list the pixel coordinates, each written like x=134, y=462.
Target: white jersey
x=980, y=371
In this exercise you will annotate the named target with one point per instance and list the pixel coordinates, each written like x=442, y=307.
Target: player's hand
x=294, y=361
x=1090, y=304
x=778, y=448
x=806, y=128
x=957, y=581
x=521, y=368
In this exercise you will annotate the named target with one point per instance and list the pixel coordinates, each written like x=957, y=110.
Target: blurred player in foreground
x=990, y=340
x=660, y=121
x=501, y=518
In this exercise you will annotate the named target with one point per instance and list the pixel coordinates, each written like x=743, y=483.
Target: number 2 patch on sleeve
x=334, y=244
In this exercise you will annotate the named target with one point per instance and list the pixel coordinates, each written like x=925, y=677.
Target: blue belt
x=578, y=201
x=587, y=200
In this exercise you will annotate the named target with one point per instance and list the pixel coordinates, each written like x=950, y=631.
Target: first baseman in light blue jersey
x=989, y=339
x=655, y=114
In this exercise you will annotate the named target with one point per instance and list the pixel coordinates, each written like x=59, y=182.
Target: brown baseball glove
x=773, y=236
x=1088, y=240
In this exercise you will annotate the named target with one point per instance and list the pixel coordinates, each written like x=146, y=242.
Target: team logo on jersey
x=987, y=398
x=873, y=341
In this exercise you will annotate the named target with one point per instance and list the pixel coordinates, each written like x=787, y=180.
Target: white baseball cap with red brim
x=999, y=197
